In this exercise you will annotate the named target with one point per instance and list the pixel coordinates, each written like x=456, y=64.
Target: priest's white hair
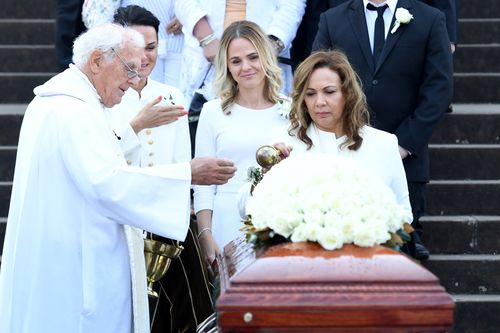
x=104, y=37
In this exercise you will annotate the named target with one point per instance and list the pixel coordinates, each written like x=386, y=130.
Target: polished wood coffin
x=300, y=287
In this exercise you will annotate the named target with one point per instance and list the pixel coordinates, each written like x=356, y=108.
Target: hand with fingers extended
x=154, y=115
x=211, y=171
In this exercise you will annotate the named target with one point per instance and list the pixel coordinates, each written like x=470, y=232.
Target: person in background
x=407, y=76
x=249, y=108
x=302, y=43
x=170, y=40
x=203, y=24
x=73, y=197
x=150, y=121
x=448, y=7
x=157, y=135
x=69, y=25
x=329, y=115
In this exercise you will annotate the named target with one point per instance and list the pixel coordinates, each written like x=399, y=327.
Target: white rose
x=330, y=239
x=403, y=15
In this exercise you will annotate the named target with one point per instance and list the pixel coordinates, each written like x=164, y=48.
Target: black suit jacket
x=411, y=86
x=448, y=7
x=302, y=43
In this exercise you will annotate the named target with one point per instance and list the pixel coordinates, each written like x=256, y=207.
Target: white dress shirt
x=371, y=16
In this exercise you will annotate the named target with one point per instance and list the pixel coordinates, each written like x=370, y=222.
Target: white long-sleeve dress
x=237, y=137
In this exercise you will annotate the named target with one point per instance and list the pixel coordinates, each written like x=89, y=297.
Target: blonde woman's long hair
x=224, y=84
x=355, y=114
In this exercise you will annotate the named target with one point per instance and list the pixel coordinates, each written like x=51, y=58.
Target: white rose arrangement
x=325, y=199
x=403, y=16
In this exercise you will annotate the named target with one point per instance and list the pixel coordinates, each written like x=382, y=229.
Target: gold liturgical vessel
x=267, y=156
x=158, y=257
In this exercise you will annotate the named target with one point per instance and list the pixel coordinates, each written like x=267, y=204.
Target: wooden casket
x=300, y=287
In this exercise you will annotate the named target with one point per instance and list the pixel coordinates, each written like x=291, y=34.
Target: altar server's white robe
x=65, y=265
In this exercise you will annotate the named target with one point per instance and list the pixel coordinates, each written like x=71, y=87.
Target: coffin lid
x=300, y=287
x=309, y=262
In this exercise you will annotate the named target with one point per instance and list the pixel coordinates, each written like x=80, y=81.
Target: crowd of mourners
x=153, y=122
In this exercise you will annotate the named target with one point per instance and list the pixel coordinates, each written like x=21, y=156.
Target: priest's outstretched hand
x=211, y=171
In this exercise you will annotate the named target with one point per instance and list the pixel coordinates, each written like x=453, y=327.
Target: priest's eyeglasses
x=131, y=73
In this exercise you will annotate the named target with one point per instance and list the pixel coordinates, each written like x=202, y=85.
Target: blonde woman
x=248, y=110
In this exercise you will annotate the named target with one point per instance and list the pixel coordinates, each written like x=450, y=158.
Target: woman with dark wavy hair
x=329, y=115
x=343, y=97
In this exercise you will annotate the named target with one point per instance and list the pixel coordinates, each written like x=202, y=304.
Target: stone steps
x=465, y=234
x=473, y=274
x=485, y=58
x=27, y=31
x=469, y=124
x=18, y=87
x=5, y=189
x=476, y=313
x=477, y=71
x=479, y=31
x=476, y=88
x=19, y=58
x=463, y=197
x=479, y=9
x=7, y=162
x=3, y=226
x=27, y=9
x=461, y=161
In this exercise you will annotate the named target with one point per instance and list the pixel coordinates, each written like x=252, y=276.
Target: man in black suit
x=409, y=84
x=448, y=7
x=302, y=43
x=69, y=25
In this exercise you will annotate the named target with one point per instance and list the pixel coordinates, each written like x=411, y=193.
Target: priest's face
x=324, y=100
x=116, y=77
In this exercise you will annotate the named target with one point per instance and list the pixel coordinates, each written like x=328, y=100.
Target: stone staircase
x=463, y=226
x=462, y=229
x=27, y=53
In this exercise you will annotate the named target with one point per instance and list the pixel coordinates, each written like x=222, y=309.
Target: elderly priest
x=66, y=265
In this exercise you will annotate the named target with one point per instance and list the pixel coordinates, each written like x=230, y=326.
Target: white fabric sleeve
x=188, y=12
x=399, y=185
x=182, y=140
x=155, y=199
x=286, y=20
x=129, y=141
x=206, y=145
x=242, y=199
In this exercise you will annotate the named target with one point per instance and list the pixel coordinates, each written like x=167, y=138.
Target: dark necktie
x=379, y=33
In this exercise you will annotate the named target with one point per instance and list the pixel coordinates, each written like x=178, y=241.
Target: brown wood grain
x=300, y=287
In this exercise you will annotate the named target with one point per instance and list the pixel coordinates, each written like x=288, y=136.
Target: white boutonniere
x=285, y=107
x=403, y=16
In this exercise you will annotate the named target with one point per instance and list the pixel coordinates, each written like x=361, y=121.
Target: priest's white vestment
x=65, y=265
